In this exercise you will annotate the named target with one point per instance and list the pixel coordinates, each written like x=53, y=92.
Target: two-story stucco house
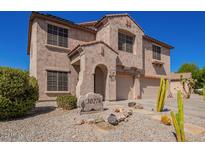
x=111, y=56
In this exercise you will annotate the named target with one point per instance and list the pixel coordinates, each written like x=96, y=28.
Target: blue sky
x=184, y=30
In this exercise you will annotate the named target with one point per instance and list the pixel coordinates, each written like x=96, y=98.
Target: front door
x=100, y=78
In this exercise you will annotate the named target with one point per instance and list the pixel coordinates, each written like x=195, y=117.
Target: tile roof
x=54, y=19
x=88, y=23
x=117, y=15
x=90, y=43
x=149, y=38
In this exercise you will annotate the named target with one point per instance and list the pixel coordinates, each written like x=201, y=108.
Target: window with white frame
x=156, y=52
x=125, y=42
x=57, y=81
x=57, y=36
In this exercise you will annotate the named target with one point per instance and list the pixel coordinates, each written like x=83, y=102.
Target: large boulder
x=90, y=102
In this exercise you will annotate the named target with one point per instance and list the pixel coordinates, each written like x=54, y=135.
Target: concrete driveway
x=195, y=106
x=194, y=110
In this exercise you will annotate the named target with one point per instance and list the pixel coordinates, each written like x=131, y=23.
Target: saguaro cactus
x=161, y=95
x=204, y=92
x=178, y=119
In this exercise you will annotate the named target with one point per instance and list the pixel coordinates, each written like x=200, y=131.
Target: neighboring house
x=176, y=82
x=111, y=56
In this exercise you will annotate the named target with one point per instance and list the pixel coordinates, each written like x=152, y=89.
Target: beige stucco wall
x=45, y=57
x=176, y=82
x=176, y=85
x=54, y=58
x=33, y=51
x=103, y=33
x=95, y=55
x=109, y=34
x=151, y=69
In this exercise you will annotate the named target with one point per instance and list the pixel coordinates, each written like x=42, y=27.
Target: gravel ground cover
x=49, y=123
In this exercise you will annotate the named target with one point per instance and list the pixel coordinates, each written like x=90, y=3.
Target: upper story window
x=156, y=52
x=57, y=36
x=125, y=42
x=57, y=81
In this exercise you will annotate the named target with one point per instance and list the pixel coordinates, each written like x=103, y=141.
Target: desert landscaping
x=49, y=123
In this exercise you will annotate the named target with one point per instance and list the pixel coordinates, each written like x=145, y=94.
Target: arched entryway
x=100, y=80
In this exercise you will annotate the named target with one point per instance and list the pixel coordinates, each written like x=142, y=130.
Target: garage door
x=124, y=87
x=149, y=87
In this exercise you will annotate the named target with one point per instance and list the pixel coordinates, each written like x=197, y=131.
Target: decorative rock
x=122, y=110
x=131, y=104
x=130, y=112
x=112, y=119
x=80, y=122
x=90, y=121
x=121, y=117
x=126, y=114
x=90, y=102
x=99, y=119
x=119, y=109
x=139, y=106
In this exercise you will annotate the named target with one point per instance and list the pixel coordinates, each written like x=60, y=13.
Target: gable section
x=100, y=53
x=124, y=20
x=100, y=47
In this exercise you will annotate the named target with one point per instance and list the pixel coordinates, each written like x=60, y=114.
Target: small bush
x=18, y=92
x=165, y=119
x=198, y=91
x=67, y=102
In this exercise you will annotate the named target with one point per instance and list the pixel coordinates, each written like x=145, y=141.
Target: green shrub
x=204, y=92
x=67, y=102
x=18, y=92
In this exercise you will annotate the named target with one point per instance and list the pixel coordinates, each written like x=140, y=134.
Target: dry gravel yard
x=51, y=124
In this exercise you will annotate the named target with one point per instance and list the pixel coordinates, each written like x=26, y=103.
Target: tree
x=201, y=78
x=197, y=74
x=192, y=68
x=190, y=84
